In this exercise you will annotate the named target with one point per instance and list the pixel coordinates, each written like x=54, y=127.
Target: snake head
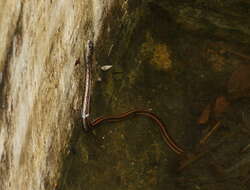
x=90, y=47
x=89, y=52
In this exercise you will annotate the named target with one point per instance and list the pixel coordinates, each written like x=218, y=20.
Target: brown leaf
x=204, y=117
x=221, y=105
x=239, y=83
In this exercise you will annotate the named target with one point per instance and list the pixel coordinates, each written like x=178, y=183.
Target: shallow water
x=156, y=64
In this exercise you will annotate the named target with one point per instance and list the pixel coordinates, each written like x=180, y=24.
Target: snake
x=91, y=124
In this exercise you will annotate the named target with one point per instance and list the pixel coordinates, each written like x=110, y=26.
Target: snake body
x=88, y=85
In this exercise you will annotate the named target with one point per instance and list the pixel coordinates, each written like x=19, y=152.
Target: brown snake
x=90, y=125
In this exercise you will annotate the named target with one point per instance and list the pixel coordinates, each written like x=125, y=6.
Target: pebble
x=106, y=67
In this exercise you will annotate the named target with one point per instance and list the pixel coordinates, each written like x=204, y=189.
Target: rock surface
x=40, y=86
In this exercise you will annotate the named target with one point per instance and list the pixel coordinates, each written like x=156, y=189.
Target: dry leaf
x=204, y=117
x=221, y=105
x=239, y=83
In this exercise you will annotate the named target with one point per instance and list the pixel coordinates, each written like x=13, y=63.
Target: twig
x=204, y=139
x=245, y=149
x=191, y=160
x=238, y=54
x=194, y=158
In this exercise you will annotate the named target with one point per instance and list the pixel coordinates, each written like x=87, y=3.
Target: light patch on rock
x=161, y=57
x=159, y=53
